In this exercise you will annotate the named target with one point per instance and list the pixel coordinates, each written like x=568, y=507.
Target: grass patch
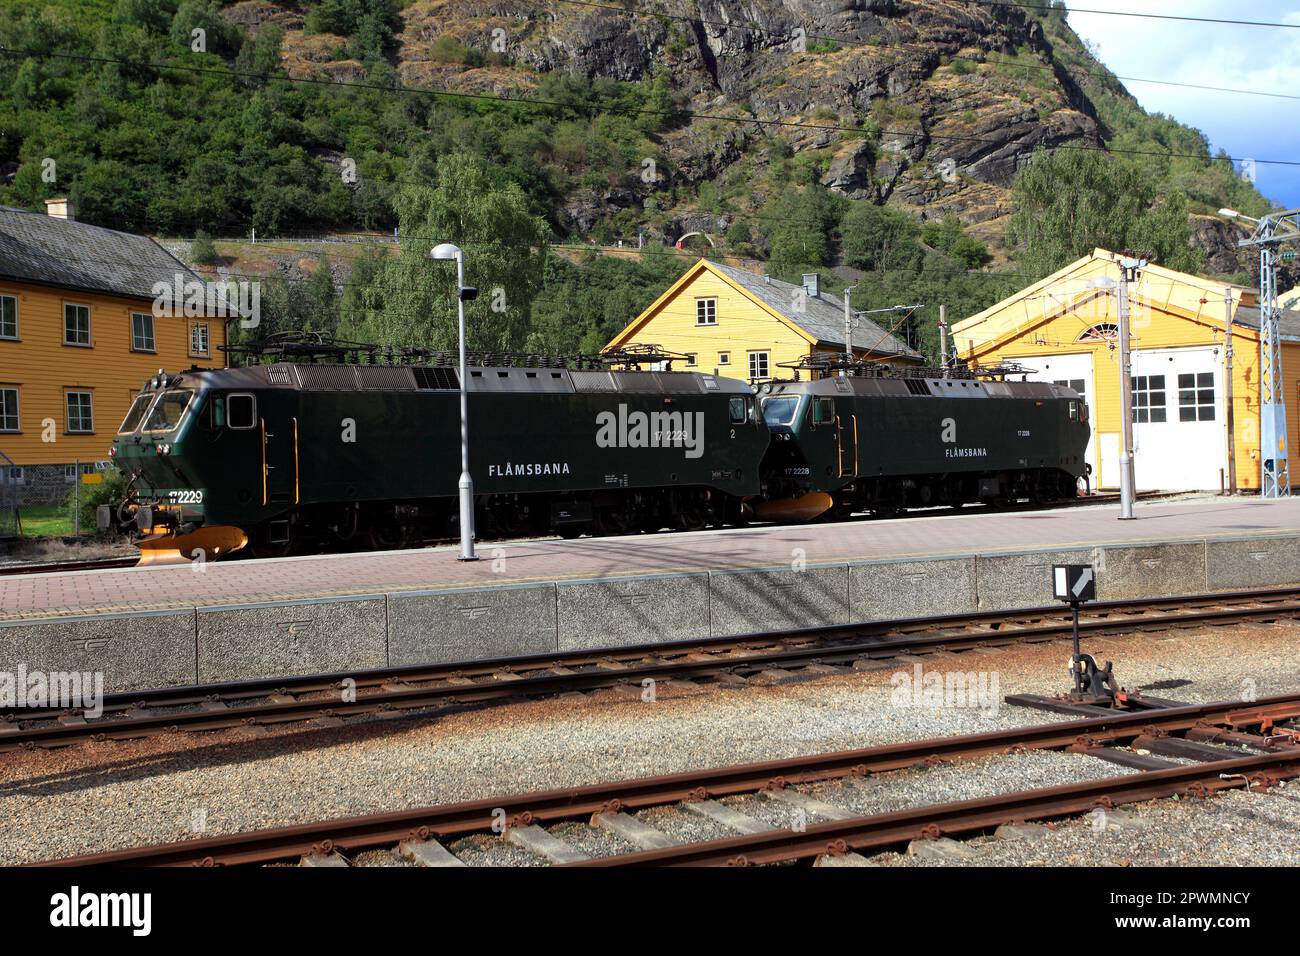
x=45, y=521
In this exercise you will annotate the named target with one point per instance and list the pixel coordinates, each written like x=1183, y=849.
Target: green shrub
x=203, y=251
x=109, y=491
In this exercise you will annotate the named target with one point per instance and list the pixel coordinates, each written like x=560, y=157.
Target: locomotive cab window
x=780, y=410
x=738, y=410
x=135, y=414
x=168, y=410
x=241, y=410
x=824, y=411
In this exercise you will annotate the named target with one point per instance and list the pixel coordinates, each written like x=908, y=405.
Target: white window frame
x=706, y=310
x=90, y=326
x=18, y=421
x=69, y=474
x=207, y=339
x=690, y=359
x=724, y=358
x=5, y=297
x=765, y=357
x=1197, y=406
x=1142, y=392
x=67, y=411
x=153, y=337
x=17, y=475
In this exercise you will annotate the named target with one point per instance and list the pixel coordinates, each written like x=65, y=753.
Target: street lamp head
x=445, y=250
x=1230, y=213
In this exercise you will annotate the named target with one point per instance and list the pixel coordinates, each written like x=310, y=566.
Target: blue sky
x=1240, y=57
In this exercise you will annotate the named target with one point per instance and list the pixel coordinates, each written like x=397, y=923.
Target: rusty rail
x=283, y=700
x=457, y=820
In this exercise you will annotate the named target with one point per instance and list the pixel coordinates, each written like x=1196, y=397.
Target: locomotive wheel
x=391, y=538
x=691, y=519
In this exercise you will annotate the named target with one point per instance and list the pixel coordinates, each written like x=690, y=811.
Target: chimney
x=812, y=284
x=61, y=208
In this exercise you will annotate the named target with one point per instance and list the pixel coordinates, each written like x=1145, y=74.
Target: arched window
x=1102, y=330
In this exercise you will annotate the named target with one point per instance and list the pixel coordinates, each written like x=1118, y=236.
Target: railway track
x=1199, y=732
x=61, y=567
x=731, y=660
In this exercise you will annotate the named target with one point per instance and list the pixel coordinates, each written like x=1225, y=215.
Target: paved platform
x=225, y=621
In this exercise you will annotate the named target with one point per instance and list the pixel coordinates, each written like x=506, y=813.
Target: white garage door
x=1178, y=432
x=1074, y=371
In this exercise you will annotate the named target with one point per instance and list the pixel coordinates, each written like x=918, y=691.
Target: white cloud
x=1222, y=55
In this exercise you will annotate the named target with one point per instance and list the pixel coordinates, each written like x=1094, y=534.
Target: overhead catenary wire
x=1048, y=8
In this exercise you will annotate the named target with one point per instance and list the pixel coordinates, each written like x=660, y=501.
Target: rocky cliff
x=928, y=105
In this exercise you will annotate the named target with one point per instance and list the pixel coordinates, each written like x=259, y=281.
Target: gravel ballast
x=111, y=795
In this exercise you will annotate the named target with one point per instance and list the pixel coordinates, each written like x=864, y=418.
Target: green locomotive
x=312, y=455
x=863, y=438
x=361, y=449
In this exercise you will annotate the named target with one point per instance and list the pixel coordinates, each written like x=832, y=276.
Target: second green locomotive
x=868, y=439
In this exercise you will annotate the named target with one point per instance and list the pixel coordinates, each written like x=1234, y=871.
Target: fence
x=9, y=526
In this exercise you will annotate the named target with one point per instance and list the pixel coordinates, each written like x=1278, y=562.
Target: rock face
x=931, y=105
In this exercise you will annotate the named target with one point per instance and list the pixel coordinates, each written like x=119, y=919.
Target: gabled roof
x=821, y=322
x=43, y=249
x=1198, y=299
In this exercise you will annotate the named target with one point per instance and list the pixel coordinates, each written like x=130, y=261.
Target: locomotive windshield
x=780, y=409
x=169, y=410
x=136, y=412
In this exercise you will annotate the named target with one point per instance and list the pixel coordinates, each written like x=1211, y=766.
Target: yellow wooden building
x=1064, y=329
x=80, y=332
x=736, y=324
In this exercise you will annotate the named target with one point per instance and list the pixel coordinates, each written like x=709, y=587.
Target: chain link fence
x=9, y=526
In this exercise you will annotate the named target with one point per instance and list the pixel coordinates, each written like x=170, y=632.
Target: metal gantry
x=1270, y=232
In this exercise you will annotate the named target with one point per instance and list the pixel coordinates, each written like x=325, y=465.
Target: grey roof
x=822, y=317
x=1289, y=323
x=38, y=248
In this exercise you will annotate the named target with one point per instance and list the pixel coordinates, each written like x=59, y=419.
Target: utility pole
x=943, y=339
x=1130, y=268
x=848, y=326
x=1271, y=231
x=1227, y=366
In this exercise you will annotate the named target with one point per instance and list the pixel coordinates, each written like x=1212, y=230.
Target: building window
x=81, y=420
x=758, y=365
x=8, y=409
x=690, y=360
x=76, y=324
x=706, y=311
x=8, y=317
x=16, y=475
x=142, y=339
x=1103, y=330
x=199, y=338
x=724, y=358
x=1149, y=399
x=1196, y=397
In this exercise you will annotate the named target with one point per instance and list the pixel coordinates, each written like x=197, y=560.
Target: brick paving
x=286, y=579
